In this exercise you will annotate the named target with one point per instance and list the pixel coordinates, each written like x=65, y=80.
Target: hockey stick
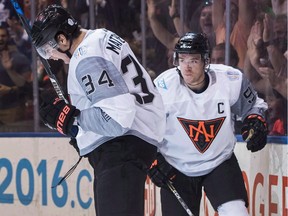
x=50, y=74
x=45, y=63
x=179, y=198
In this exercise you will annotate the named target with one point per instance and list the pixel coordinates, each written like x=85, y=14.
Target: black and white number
x=105, y=79
x=138, y=80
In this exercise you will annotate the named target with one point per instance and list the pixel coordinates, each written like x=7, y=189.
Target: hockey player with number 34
x=200, y=100
x=116, y=112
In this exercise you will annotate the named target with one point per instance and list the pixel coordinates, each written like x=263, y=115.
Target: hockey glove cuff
x=254, y=132
x=161, y=172
x=59, y=116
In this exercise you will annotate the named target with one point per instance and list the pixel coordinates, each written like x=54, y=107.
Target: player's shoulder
x=92, y=45
x=167, y=78
x=226, y=72
x=100, y=35
x=95, y=36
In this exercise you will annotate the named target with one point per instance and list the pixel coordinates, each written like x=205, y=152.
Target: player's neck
x=200, y=86
x=78, y=40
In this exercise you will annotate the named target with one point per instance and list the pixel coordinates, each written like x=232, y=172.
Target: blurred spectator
x=158, y=56
x=277, y=81
x=254, y=52
x=15, y=82
x=275, y=39
x=119, y=16
x=41, y=4
x=241, y=19
x=7, y=11
x=20, y=37
x=82, y=13
x=200, y=21
x=27, y=9
x=277, y=114
x=9, y=19
x=161, y=33
x=116, y=16
x=218, y=55
x=266, y=65
x=26, y=5
x=156, y=53
x=279, y=7
x=169, y=39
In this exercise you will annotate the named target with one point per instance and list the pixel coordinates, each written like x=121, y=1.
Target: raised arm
x=180, y=27
x=246, y=15
x=161, y=33
x=217, y=13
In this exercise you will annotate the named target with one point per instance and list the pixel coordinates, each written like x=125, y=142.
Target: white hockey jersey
x=200, y=128
x=114, y=93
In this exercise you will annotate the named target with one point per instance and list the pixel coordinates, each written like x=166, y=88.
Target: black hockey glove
x=254, y=132
x=59, y=116
x=161, y=172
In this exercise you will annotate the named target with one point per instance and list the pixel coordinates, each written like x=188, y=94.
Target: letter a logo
x=202, y=132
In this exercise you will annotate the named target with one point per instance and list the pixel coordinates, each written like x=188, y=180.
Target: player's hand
x=58, y=115
x=161, y=172
x=254, y=132
x=4, y=90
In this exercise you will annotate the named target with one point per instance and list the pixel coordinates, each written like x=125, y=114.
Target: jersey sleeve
x=110, y=119
x=248, y=101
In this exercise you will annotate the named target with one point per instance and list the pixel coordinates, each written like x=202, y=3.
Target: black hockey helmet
x=192, y=43
x=51, y=21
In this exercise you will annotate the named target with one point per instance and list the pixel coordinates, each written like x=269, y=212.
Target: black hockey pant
x=119, y=175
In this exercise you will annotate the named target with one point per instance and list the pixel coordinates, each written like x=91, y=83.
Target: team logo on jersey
x=233, y=75
x=161, y=84
x=202, y=132
x=80, y=51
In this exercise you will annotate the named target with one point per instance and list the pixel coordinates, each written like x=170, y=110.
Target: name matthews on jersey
x=114, y=43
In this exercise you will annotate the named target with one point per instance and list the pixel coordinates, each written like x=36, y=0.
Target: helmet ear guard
x=175, y=59
x=206, y=58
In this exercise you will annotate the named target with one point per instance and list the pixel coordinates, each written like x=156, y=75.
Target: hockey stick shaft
x=179, y=198
x=45, y=63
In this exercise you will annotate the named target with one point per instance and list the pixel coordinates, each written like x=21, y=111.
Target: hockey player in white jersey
x=197, y=151
x=116, y=112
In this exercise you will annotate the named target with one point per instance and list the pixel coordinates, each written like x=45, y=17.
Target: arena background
x=32, y=159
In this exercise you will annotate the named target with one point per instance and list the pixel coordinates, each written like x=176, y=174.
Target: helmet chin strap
x=68, y=54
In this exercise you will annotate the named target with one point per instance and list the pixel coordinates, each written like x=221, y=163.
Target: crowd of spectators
x=258, y=44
